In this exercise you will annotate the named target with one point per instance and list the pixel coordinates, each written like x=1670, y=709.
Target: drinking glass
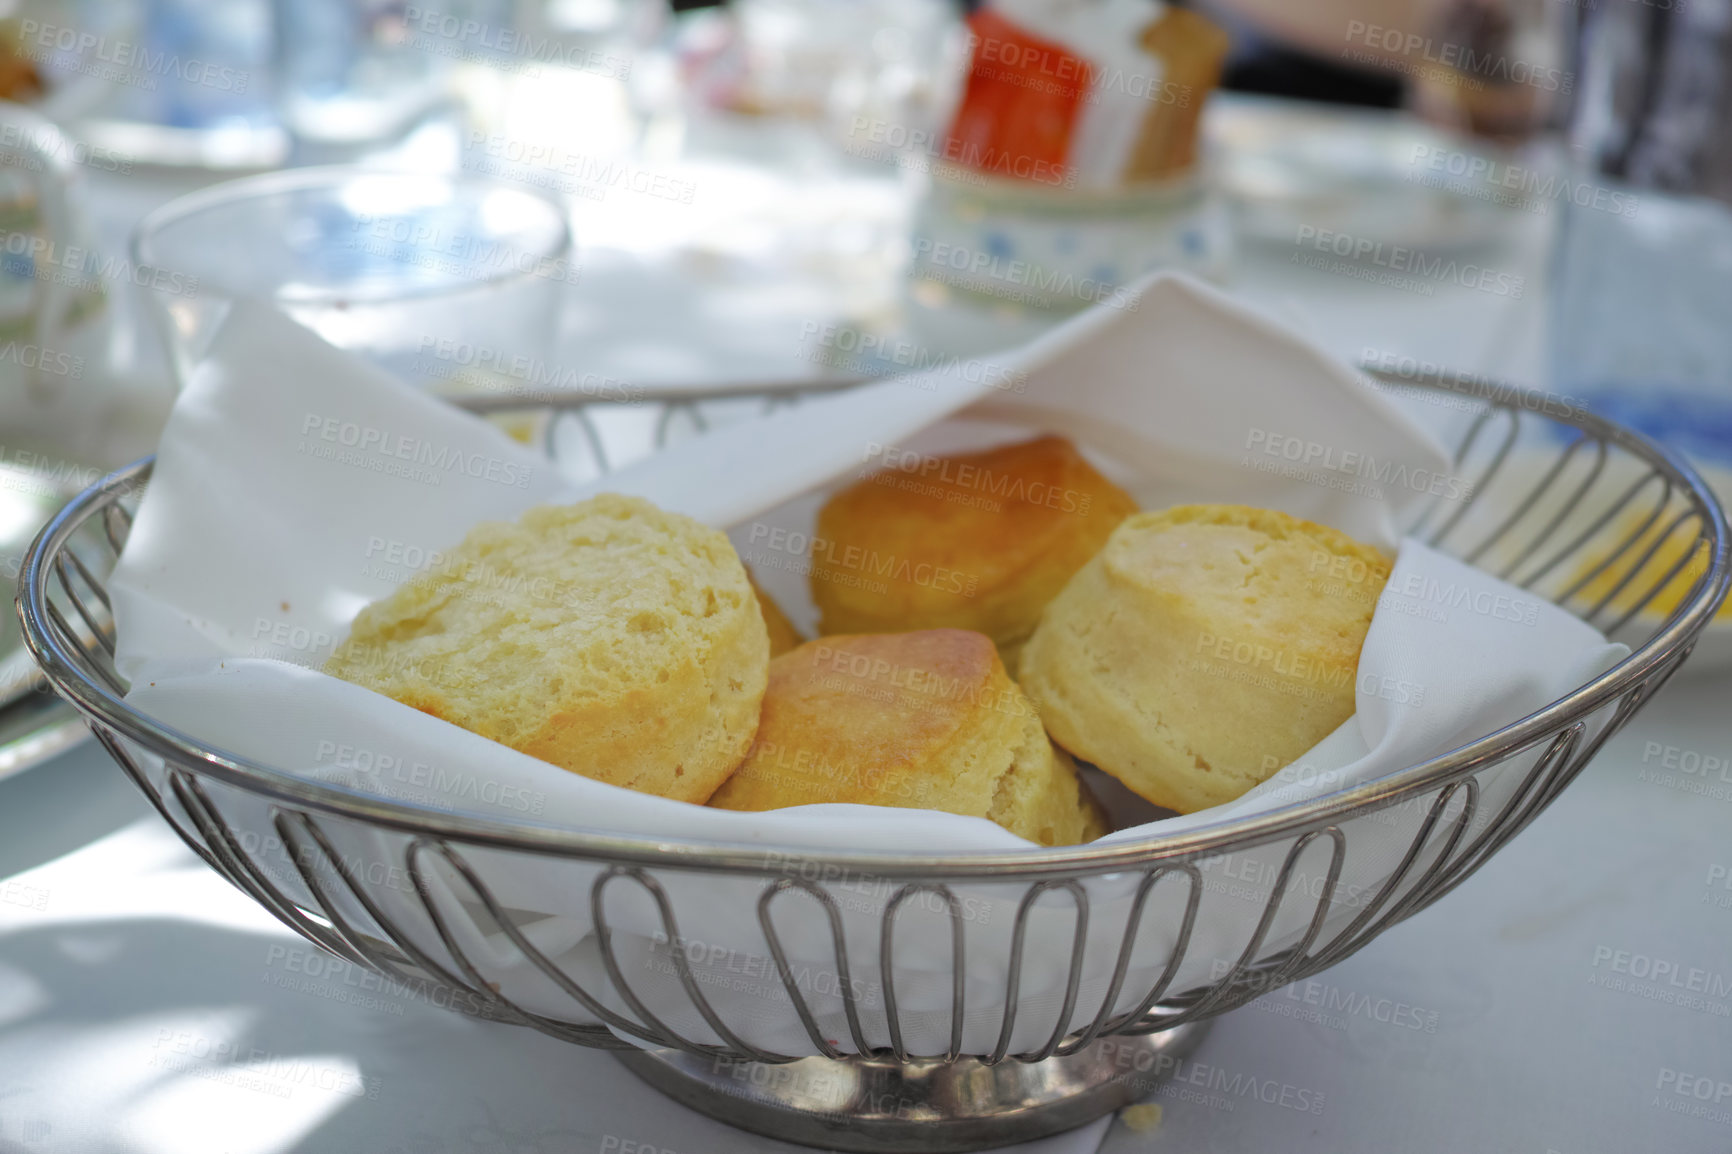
x=450, y=282
x=1642, y=273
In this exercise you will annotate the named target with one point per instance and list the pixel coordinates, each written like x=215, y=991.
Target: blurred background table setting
x=503, y=200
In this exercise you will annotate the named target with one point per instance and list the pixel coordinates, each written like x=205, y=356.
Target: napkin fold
x=295, y=484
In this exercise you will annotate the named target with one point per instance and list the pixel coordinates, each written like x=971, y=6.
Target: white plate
x=1289, y=165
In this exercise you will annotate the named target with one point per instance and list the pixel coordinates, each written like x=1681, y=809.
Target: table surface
x=1572, y=997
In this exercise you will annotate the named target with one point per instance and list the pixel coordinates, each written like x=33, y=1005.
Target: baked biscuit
x=980, y=541
x=925, y=720
x=1205, y=647
x=783, y=635
x=607, y=637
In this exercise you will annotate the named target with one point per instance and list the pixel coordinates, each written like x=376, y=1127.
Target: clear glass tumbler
x=450, y=282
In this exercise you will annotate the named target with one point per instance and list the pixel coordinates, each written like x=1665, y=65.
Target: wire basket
x=1101, y=949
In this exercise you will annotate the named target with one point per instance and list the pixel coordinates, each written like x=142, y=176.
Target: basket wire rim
x=101, y=705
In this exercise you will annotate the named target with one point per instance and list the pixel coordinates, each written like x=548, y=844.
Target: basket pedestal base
x=882, y=1106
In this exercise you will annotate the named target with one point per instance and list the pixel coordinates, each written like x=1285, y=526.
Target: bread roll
x=924, y=720
x=783, y=635
x=1205, y=647
x=607, y=637
x=980, y=541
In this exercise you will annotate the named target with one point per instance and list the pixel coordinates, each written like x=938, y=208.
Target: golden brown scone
x=783, y=635
x=608, y=637
x=1204, y=648
x=925, y=720
x=980, y=541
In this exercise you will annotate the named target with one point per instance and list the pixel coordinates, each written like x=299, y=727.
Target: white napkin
x=295, y=484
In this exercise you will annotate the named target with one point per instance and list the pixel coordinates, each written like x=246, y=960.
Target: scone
x=1205, y=647
x=783, y=635
x=607, y=637
x=925, y=720
x=980, y=541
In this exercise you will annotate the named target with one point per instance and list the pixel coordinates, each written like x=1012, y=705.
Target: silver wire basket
x=1100, y=949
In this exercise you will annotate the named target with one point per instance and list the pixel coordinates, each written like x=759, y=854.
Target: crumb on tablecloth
x=1142, y=1117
